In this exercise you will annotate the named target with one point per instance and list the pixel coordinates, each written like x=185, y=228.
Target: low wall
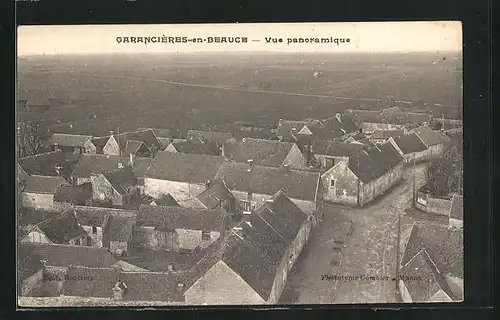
x=430, y=204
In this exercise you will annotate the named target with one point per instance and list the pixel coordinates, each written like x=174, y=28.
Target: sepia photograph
x=239, y=164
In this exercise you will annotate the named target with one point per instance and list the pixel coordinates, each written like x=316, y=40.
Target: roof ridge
x=40, y=154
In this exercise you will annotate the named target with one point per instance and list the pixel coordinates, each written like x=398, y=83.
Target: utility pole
x=414, y=182
x=459, y=180
x=398, y=240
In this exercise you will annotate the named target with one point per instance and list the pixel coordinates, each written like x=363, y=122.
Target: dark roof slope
x=409, y=143
x=385, y=134
x=30, y=216
x=146, y=136
x=444, y=245
x=181, y=167
x=267, y=153
x=374, y=162
x=43, y=184
x=150, y=286
x=428, y=136
x=62, y=228
x=97, y=216
x=119, y=228
x=457, y=207
x=197, y=147
x=167, y=200
x=75, y=195
x=99, y=143
x=121, y=179
x=44, y=164
x=287, y=128
x=69, y=140
x=97, y=163
x=171, y=218
x=217, y=192
x=65, y=255
x=336, y=149
x=266, y=180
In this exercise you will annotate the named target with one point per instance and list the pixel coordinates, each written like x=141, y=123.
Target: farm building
x=93, y=220
x=328, y=153
x=114, y=187
x=218, y=196
x=434, y=140
x=37, y=192
x=183, y=176
x=267, y=153
x=410, y=147
x=252, y=185
x=434, y=253
x=69, y=143
x=381, y=136
x=165, y=200
x=95, y=145
x=364, y=176
x=140, y=143
x=54, y=163
x=177, y=228
x=118, y=233
x=69, y=195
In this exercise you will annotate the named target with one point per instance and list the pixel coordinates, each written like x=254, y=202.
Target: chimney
x=250, y=164
x=286, y=168
x=131, y=159
x=280, y=122
x=238, y=231
x=170, y=267
x=180, y=287
x=207, y=184
x=111, y=132
x=339, y=117
x=58, y=168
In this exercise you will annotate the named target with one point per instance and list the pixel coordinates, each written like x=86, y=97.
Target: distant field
x=162, y=91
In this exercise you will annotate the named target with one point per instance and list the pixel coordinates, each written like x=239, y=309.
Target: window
x=77, y=242
x=205, y=236
x=94, y=229
x=246, y=206
x=332, y=183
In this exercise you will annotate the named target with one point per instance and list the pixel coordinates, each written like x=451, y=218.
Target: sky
x=363, y=37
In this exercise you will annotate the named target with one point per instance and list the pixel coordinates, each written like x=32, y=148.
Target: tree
x=30, y=137
x=444, y=175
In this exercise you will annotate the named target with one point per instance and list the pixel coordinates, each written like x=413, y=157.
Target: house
x=435, y=141
x=140, y=143
x=118, y=233
x=42, y=267
x=69, y=143
x=364, y=176
x=165, y=200
x=95, y=145
x=194, y=146
x=457, y=211
x=61, y=229
x=163, y=133
x=98, y=163
x=218, y=196
x=288, y=129
x=410, y=147
x=381, y=136
x=119, y=285
x=51, y=164
x=80, y=195
x=268, y=153
x=177, y=228
x=183, y=176
x=27, y=216
x=252, y=185
x=38, y=192
x=219, y=138
x=328, y=153
x=114, y=187
x=31, y=233
x=407, y=120
x=439, y=251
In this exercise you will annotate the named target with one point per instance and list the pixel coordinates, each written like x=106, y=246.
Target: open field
x=168, y=90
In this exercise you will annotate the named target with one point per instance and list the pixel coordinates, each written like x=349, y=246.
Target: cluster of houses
x=236, y=210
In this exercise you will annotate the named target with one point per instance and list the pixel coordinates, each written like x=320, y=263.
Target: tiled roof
x=133, y=146
x=404, y=118
x=373, y=163
x=119, y=228
x=212, y=196
x=43, y=184
x=69, y=140
x=457, y=207
x=159, y=132
x=65, y=255
x=266, y=180
x=96, y=216
x=428, y=136
x=426, y=281
x=44, y=164
x=90, y=282
x=62, y=228
x=336, y=149
x=197, y=147
x=444, y=245
x=121, y=179
x=171, y=218
x=209, y=136
x=268, y=153
x=385, y=134
x=166, y=200
x=97, y=163
x=288, y=127
x=28, y=216
x=194, y=168
x=151, y=286
x=74, y=195
x=146, y=136
x=99, y=143
x=409, y=143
